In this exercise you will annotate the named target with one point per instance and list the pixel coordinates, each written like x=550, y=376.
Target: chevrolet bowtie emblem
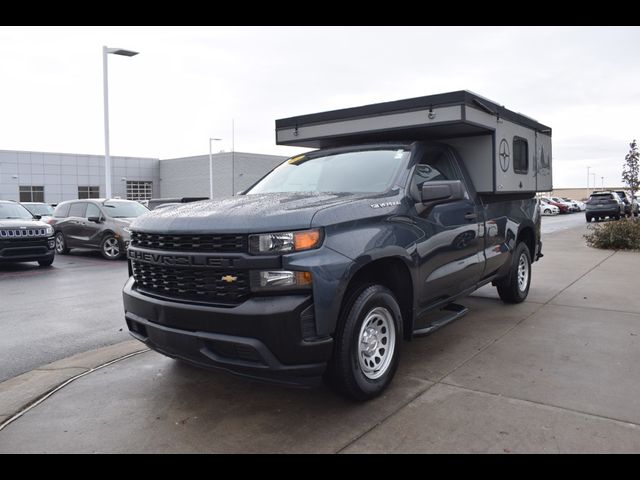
x=229, y=278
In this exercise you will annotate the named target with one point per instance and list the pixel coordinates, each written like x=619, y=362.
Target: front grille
x=7, y=233
x=192, y=284
x=190, y=243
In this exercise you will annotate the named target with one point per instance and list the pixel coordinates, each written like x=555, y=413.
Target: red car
x=561, y=206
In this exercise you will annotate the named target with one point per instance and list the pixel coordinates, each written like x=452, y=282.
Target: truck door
x=450, y=250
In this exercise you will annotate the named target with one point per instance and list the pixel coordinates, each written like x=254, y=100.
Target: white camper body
x=504, y=151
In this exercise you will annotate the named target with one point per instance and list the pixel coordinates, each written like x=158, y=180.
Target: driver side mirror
x=95, y=219
x=36, y=216
x=442, y=191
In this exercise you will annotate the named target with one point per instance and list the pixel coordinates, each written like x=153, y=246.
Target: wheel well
x=527, y=236
x=393, y=274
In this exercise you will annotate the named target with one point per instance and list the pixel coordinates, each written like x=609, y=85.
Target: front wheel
x=61, y=244
x=588, y=218
x=514, y=288
x=367, y=344
x=110, y=248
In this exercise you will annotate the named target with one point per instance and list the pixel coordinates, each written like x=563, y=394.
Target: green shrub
x=618, y=235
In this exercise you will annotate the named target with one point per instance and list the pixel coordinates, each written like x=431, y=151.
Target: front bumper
x=262, y=338
x=27, y=250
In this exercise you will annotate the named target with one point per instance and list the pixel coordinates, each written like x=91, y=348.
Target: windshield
x=349, y=172
x=124, y=209
x=40, y=209
x=14, y=211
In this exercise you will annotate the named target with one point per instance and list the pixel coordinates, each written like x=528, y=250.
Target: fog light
x=52, y=243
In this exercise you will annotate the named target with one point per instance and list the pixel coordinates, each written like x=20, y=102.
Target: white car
x=548, y=209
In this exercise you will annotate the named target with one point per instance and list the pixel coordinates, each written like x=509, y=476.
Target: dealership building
x=54, y=177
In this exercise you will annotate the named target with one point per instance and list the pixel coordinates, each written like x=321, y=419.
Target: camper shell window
x=520, y=155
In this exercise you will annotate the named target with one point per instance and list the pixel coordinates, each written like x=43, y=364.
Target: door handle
x=471, y=216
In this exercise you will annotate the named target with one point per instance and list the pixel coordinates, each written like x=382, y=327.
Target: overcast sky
x=188, y=83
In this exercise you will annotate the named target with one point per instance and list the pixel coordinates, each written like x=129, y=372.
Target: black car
x=23, y=238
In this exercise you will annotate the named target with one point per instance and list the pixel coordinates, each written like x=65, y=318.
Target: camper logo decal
x=504, y=155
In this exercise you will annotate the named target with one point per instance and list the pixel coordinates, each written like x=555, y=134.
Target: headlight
x=284, y=242
x=49, y=230
x=274, y=280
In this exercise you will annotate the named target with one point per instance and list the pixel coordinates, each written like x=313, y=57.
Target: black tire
x=349, y=370
x=61, y=244
x=110, y=248
x=588, y=218
x=547, y=211
x=514, y=288
x=45, y=263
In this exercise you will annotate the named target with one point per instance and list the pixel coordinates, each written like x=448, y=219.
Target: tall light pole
x=602, y=179
x=211, y=166
x=233, y=158
x=588, y=193
x=594, y=180
x=105, y=77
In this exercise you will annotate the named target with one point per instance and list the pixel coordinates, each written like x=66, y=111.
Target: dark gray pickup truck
x=324, y=266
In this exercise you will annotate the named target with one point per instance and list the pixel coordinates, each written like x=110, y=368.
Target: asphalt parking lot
x=557, y=373
x=53, y=313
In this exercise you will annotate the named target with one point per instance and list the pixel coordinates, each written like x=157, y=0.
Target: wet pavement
x=557, y=373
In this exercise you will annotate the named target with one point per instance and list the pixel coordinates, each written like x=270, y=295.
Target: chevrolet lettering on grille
x=178, y=260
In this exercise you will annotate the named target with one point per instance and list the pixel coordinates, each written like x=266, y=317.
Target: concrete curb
x=18, y=393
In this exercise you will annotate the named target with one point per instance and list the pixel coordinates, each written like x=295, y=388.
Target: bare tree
x=631, y=170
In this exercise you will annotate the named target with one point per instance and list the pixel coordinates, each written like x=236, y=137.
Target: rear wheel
x=367, y=344
x=514, y=288
x=61, y=244
x=110, y=248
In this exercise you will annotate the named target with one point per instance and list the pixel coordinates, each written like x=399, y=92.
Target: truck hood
x=17, y=223
x=269, y=212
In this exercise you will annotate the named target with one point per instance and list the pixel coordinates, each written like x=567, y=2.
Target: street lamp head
x=122, y=51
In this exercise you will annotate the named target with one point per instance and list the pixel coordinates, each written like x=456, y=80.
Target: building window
x=520, y=155
x=139, y=190
x=88, y=192
x=31, y=194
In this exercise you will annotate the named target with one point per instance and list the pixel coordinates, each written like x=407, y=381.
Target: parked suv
x=23, y=238
x=604, y=204
x=97, y=224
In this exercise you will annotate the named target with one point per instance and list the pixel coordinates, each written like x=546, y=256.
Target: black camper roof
x=461, y=97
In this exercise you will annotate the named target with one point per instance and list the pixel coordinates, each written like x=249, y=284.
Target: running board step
x=454, y=312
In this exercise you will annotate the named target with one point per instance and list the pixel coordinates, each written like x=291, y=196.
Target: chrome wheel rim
x=111, y=247
x=59, y=243
x=376, y=343
x=523, y=272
